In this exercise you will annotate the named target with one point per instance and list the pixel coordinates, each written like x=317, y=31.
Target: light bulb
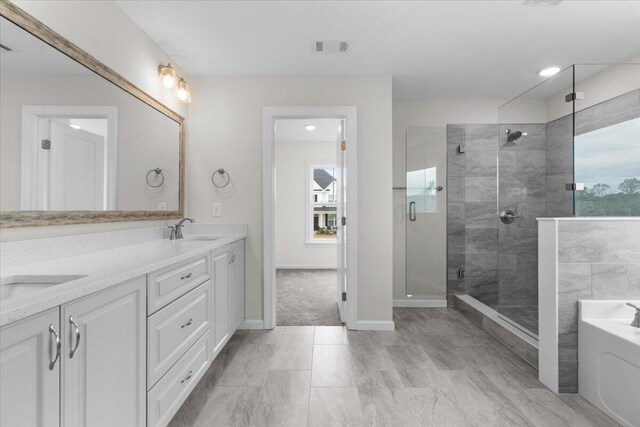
x=184, y=94
x=168, y=75
x=549, y=71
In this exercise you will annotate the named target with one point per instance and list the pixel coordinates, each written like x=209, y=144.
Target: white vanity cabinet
x=30, y=372
x=237, y=284
x=104, y=344
x=98, y=378
x=221, y=268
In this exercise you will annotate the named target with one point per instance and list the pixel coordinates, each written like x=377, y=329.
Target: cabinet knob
x=77, y=331
x=187, y=324
x=188, y=377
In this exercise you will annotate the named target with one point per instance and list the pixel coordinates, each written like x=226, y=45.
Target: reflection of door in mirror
x=68, y=158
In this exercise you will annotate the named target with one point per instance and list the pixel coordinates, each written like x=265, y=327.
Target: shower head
x=513, y=135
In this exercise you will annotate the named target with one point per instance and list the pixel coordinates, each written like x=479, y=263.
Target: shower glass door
x=426, y=213
x=535, y=165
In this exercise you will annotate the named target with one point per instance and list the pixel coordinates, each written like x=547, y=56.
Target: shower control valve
x=507, y=216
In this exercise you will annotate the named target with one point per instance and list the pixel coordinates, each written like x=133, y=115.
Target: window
x=322, y=220
x=607, y=163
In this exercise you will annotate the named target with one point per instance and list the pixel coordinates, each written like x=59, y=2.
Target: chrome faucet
x=176, y=230
x=636, y=320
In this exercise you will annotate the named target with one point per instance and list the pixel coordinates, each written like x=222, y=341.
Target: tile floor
x=436, y=369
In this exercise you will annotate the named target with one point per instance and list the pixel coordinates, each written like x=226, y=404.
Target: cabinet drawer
x=166, y=397
x=175, y=328
x=170, y=283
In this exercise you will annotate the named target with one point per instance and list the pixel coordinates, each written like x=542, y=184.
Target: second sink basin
x=15, y=286
x=202, y=238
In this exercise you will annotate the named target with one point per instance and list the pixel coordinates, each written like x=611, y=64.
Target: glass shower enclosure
x=425, y=214
x=570, y=146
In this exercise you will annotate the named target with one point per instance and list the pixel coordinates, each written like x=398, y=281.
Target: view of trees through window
x=421, y=189
x=324, y=202
x=607, y=162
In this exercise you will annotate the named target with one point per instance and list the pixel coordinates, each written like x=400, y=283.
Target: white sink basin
x=202, y=238
x=15, y=286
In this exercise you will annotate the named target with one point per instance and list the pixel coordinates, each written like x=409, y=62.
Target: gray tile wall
x=472, y=227
x=597, y=259
x=522, y=188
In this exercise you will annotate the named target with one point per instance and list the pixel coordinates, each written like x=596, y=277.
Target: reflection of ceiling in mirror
x=31, y=55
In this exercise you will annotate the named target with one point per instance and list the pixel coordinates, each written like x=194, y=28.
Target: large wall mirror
x=79, y=143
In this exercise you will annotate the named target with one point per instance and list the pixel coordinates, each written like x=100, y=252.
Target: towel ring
x=158, y=172
x=223, y=179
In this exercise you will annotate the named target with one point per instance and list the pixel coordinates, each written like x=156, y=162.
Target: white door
x=341, y=224
x=77, y=169
x=221, y=325
x=29, y=381
x=104, y=358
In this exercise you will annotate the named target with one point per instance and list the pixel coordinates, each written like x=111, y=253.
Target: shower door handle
x=412, y=211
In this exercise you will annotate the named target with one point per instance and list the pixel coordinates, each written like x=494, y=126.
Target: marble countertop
x=102, y=269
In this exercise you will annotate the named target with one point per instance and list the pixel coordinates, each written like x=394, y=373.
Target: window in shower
x=421, y=189
x=607, y=162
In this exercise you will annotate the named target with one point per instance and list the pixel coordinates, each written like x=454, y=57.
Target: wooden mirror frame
x=12, y=219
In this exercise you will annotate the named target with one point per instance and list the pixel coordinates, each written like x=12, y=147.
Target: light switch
x=216, y=209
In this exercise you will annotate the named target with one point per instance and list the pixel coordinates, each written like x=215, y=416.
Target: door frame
x=30, y=139
x=270, y=115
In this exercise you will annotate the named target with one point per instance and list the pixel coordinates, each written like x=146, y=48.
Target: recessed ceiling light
x=74, y=126
x=310, y=127
x=549, y=71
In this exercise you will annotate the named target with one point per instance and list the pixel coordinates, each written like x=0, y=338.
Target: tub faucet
x=176, y=230
x=636, y=320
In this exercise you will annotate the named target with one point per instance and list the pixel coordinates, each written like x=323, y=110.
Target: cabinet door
x=237, y=284
x=221, y=325
x=104, y=375
x=29, y=383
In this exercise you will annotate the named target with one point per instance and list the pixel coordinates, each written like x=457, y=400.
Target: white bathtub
x=609, y=359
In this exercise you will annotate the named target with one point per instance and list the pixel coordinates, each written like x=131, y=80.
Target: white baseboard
x=375, y=325
x=430, y=303
x=252, y=324
x=305, y=267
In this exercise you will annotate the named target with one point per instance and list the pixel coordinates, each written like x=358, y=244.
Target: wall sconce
x=171, y=79
x=184, y=91
x=168, y=75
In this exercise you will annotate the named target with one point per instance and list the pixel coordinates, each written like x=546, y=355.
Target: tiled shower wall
x=597, y=259
x=499, y=261
x=472, y=228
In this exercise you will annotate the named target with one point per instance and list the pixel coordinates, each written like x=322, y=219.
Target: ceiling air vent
x=330, y=46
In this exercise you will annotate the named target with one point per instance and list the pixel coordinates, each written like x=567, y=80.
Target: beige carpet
x=306, y=298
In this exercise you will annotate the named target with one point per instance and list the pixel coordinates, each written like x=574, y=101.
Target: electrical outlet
x=216, y=209
x=162, y=206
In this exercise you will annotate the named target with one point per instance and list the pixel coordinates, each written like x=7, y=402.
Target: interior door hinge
x=344, y=220
x=344, y=296
x=45, y=144
x=343, y=145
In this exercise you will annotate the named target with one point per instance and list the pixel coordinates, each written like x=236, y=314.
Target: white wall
x=226, y=131
x=292, y=250
x=103, y=30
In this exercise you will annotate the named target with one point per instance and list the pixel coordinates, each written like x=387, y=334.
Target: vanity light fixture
x=310, y=127
x=184, y=92
x=168, y=75
x=549, y=71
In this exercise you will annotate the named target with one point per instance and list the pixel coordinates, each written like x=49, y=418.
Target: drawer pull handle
x=187, y=324
x=186, y=277
x=77, y=333
x=187, y=378
x=53, y=331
